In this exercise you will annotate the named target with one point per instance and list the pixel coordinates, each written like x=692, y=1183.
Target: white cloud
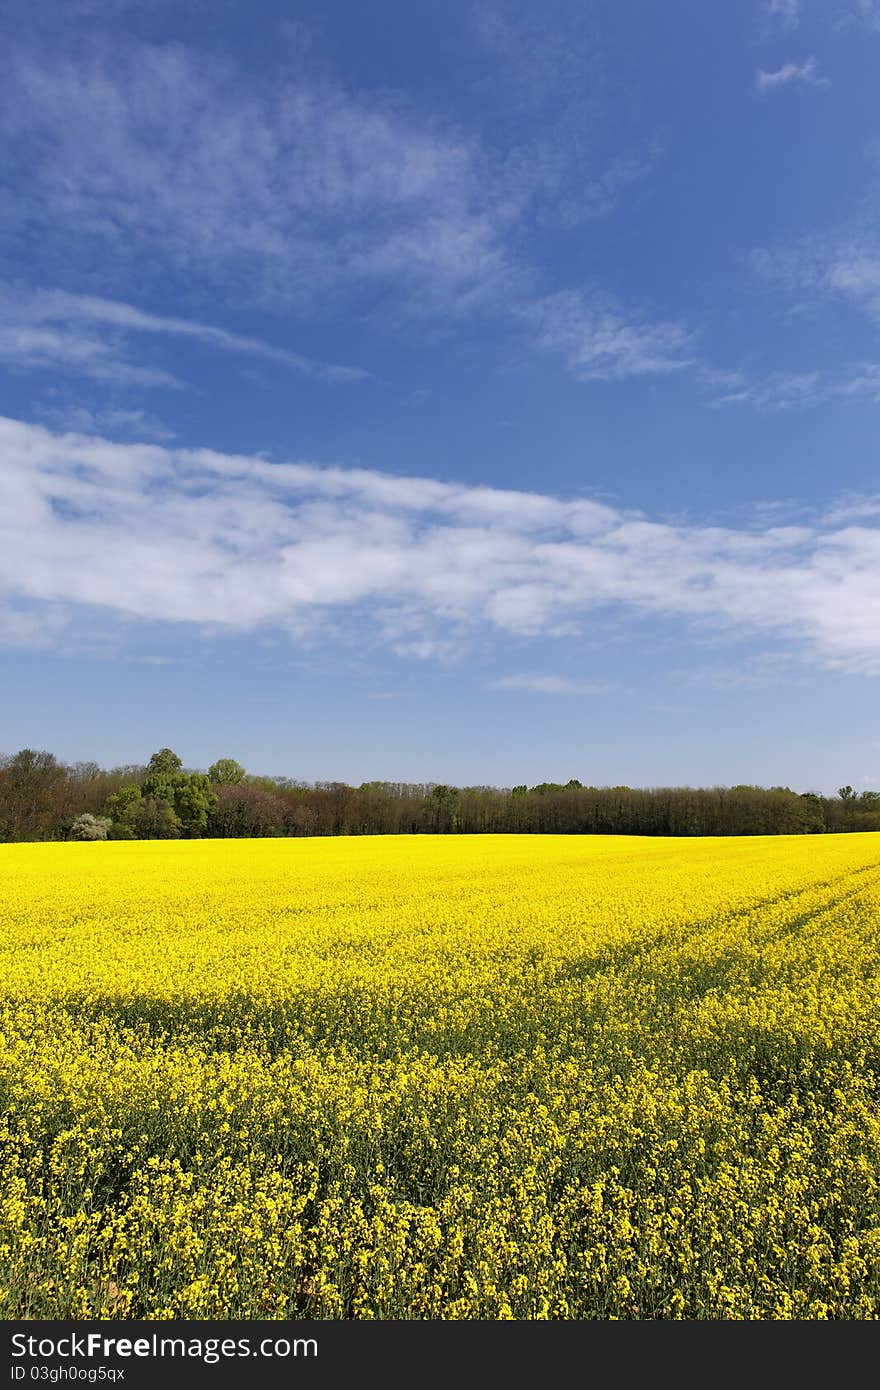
x=545, y=56
x=72, y=350
x=550, y=64
x=601, y=195
x=292, y=187
x=864, y=382
x=854, y=272
x=151, y=533
x=597, y=341
x=868, y=11
x=787, y=12
x=428, y=649
x=778, y=391
x=48, y=328
x=79, y=420
x=552, y=685
x=854, y=509
x=845, y=266
x=806, y=72
x=297, y=194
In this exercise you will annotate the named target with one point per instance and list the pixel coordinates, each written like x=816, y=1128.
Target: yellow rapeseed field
x=441, y=1077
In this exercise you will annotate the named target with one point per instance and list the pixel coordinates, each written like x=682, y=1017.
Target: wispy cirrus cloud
x=854, y=509
x=777, y=391
x=864, y=382
x=598, y=342
x=548, y=76
x=73, y=350
x=552, y=685
x=802, y=390
x=853, y=271
x=298, y=195
x=601, y=195
x=301, y=195
x=55, y=328
x=786, y=12
x=78, y=419
x=806, y=73
x=843, y=265
x=147, y=533
x=550, y=60
x=868, y=13
x=293, y=188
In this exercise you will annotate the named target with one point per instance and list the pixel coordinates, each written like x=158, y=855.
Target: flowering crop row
x=476, y=1077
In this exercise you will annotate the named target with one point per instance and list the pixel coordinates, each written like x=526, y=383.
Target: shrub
x=89, y=827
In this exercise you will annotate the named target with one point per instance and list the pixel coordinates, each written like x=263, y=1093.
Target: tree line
x=42, y=798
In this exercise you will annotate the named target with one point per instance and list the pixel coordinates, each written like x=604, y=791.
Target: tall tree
x=166, y=760
x=189, y=794
x=226, y=772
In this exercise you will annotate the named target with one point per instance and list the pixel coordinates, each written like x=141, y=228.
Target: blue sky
x=484, y=393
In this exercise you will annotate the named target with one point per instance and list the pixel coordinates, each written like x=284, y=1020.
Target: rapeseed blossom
x=458, y=1077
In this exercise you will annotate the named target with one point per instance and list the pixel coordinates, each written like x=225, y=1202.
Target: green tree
x=166, y=760
x=226, y=772
x=189, y=794
x=122, y=806
x=816, y=814
x=194, y=801
x=163, y=784
x=444, y=809
x=156, y=820
x=847, y=796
